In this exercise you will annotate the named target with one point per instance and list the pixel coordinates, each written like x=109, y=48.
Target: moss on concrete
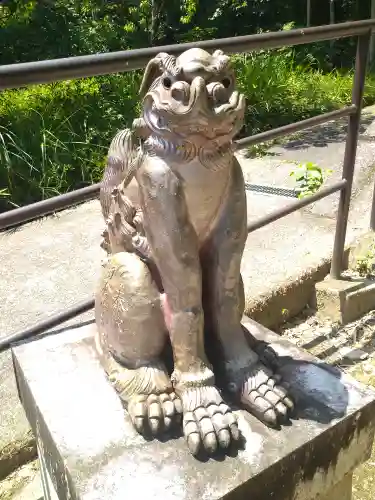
x=16, y=453
x=23, y=484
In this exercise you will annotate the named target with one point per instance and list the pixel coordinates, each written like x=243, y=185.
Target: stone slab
x=345, y=300
x=91, y=451
x=53, y=263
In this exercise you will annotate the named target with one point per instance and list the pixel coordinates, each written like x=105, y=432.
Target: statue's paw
x=208, y=423
x=155, y=413
x=264, y=395
x=147, y=394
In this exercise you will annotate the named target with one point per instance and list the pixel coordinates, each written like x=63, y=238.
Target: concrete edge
x=288, y=299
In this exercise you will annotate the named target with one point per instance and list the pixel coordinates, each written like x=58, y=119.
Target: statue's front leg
x=254, y=385
x=207, y=420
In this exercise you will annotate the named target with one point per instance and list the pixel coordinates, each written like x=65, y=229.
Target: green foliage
x=279, y=90
x=190, y=8
x=365, y=264
x=309, y=178
x=54, y=138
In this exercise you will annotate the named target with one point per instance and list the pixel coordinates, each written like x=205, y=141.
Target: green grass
x=54, y=138
x=279, y=91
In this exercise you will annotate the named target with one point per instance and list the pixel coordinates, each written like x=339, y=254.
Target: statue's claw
x=208, y=423
x=155, y=413
x=264, y=395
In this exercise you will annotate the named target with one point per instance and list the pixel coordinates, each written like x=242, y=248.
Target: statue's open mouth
x=201, y=113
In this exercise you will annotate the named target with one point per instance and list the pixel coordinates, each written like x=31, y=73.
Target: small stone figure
x=174, y=202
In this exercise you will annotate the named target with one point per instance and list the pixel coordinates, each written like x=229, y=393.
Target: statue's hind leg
x=255, y=386
x=130, y=340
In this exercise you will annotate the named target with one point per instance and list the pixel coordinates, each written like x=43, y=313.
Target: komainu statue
x=174, y=202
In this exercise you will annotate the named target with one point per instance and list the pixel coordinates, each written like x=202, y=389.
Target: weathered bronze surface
x=174, y=202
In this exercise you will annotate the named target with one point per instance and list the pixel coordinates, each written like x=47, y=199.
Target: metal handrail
x=21, y=74
x=17, y=75
x=50, y=205
x=61, y=202
x=295, y=205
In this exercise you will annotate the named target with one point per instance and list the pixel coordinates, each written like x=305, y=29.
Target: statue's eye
x=167, y=83
x=226, y=82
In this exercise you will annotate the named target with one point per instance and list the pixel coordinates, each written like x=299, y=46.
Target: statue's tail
x=124, y=156
x=122, y=218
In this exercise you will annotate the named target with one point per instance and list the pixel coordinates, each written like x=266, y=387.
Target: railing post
x=350, y=154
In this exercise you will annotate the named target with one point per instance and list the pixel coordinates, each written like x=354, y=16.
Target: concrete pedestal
x=344, y=300
x=89, y=449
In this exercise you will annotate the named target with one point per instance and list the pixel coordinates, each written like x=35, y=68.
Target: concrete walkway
x=51, y=264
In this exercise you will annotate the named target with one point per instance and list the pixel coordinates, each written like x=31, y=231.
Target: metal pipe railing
x=19, y=75
x=47, y=324
x=48, y=206
x=292, y=128
x=296, y=205
x=363, y=46
x=41, y=208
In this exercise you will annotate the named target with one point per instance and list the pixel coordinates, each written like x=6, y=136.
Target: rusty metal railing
x=23, y=74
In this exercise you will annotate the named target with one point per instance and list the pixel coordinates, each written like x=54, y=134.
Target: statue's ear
x=222, y=61
x=153, y=70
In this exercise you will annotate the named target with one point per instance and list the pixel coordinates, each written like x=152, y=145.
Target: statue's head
x=192, y=98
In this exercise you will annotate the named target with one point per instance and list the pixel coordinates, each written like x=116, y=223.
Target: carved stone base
x=90, y=450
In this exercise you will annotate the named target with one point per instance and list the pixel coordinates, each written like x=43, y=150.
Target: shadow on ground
x=331, y=132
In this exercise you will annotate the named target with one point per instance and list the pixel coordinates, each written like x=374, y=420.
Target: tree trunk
x=155, y=21
x=332, y=17
x=372, y=43
x=331, y=11
x=308, y=13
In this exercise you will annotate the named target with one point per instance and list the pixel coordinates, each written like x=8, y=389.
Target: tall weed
x=281, y=91
x=53, y=138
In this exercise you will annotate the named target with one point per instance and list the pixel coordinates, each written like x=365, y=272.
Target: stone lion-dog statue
x=174, y=202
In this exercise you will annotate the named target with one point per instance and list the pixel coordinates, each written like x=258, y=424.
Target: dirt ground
x=352, y=349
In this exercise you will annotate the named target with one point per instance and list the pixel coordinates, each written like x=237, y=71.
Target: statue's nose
x=198, y=85
x=199, y=81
